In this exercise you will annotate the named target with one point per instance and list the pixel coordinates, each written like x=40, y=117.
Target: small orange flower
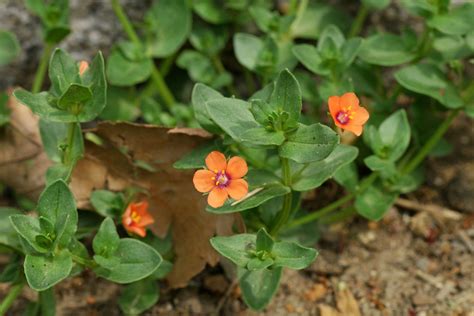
x=136, y=218
x=83, y=66
x=347, y=113
x=222, y=179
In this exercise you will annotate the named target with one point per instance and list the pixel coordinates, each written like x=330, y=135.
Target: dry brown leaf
x=346, y=305
x=173, y=200
x=23, y=163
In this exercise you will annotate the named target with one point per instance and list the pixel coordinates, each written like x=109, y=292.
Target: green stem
x=162, y=87
x=83, y=261
x=68, y=159
x=284, y=215
x=334, y=205
x=359, y=21
x=127, y=26
x=42, y=68
x=132, y=35
x=428, y=146
x=13, y=293
x=220, y=69
x=339, y=216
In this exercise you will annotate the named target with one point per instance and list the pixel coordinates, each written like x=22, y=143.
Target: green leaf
x=200, y=95
x=125, y=72
x=267, y=193
x=235, y=248
x=232, y=115
x=38, y=103
x=8, y=234
x=4, y=110
x=373, y=203
x=135, y=261
x=121, y=105
x=292, y=255
x=376, y=4
x=309, y=56
x=106, y=241
x=57, y=204
x=316, y=17
x=54, y=139
x=63, y=71
x=200, y=68
x=259, y=264
x=386, y=49
x=427, y=79
x=259, y=286
x=169, y=25
x=247, y=49
x=208, y=39
x=314, y=174
x=43, y=272
x=212, y=11
x=387, y=168
x=76, y=96
x=347, y=176
x=9, y=47
x=395, y=134
x=287, y=95
x=309, y=143
x=261, y=136
x=107, y=203
x=264, y=241
x=456, y=22
x=452, y=47
x=28, y=228
x=95, y=79
x=139, y=296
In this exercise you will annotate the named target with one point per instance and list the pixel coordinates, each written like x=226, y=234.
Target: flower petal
x=334, y=105
x=361, y=116
x=203, y=180
x=146, y=220
x=237, y=189
x=356, y=129
x=349, y=99
x=141, y=208
x=236, y=168
x=217, y=197
x=216, y=161
x=140, y=231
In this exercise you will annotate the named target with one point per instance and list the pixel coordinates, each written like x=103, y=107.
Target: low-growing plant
x=283, y=93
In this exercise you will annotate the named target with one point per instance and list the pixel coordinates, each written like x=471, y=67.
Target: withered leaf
x=173, y=200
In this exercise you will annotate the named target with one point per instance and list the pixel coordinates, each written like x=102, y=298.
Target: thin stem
x=13, y=293
x=162, y=87
x=428, y=146
x=339, y=216
x=359, y=21
x=336, y=204
x=42, y=68
x=284, y=215
x=70, y=143
x=127, y=26
x=83, y=261
x=132, y=35
x=221, y=70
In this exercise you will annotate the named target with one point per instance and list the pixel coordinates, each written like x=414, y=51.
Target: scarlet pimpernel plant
x=287, y=96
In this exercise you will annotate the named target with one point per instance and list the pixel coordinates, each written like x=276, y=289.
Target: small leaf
x=395, y=134
x=9, y=47
x=63, y=71
x=8, y=234
x=376, y=4
x=458, y=21
x=247, y=49
x=76, y=96
x=373, y=203
x=386, y=49
x=139, y=296
x=259, y=264
x=106, y=241
x=292, y=255
x=427, y=79
x=309, y=143
x=287, y=94
x=28, y=228
x=264, y=241
x=235, y=248
x=200, y=95
x=195, y=159
x=259, y=286
x=124, y=72
x=107, y=203
x=43, y=272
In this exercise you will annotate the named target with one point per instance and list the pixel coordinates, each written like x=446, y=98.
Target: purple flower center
x=222, y=180
x=343, y=117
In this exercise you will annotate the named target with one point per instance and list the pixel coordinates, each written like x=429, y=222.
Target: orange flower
x=347, y=113
x=83, y=66
x=136, y=218
x=222, y=179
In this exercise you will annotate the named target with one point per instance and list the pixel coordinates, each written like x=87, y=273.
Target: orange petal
x=334, y=105
x=237, y=168
x=141, y=208
x=217, y=197
x=140, y=231
x=349, y=99
x=216, y=161
x=83, y=66
x=356, y=129
x=128, y=211
x=237, y=189
x=361, y=116
x=203, y=180
x=146, y=220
